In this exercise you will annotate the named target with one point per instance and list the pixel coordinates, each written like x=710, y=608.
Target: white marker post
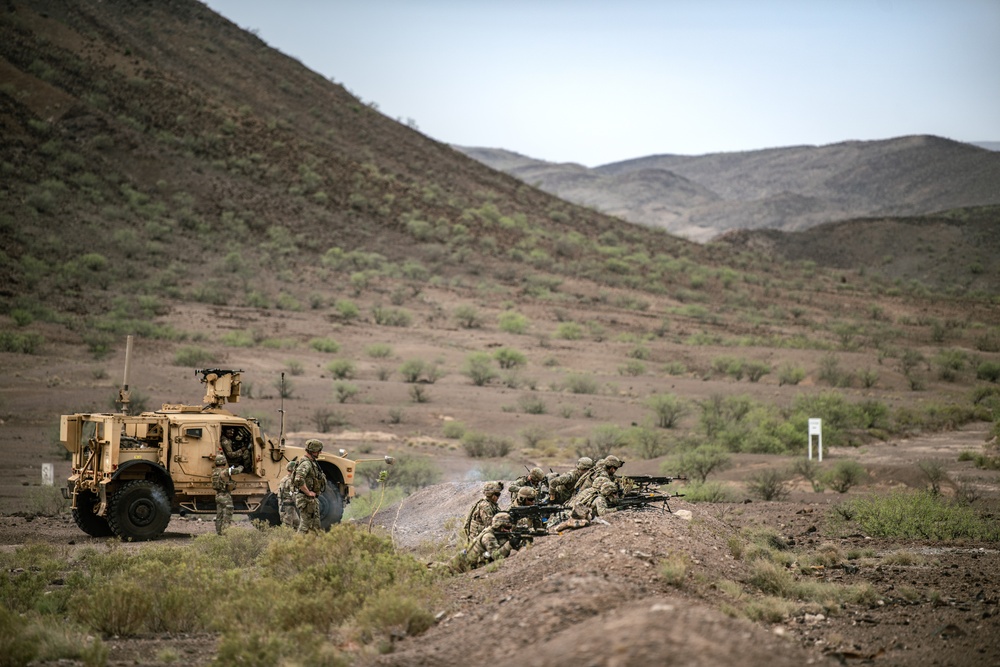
x=48, y=475
x=816, y=428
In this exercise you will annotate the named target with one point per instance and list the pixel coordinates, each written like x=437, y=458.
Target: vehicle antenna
x=124, y=395
x=281, y=411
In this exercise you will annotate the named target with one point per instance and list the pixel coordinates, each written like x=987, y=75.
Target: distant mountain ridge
x=792, y=188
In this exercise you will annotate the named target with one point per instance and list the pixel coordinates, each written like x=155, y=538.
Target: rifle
x=641, y=501
x=520, y=535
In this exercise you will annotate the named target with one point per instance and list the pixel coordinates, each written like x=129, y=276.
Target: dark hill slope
x=190, y=150
x=954, y=251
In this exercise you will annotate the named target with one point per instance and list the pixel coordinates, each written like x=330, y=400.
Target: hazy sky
x=594, y=82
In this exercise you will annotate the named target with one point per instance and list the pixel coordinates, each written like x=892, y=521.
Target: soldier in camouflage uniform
x=492, y=542
x=562, y=486
x=535, y=479
x=481, y=514
x=604, y=470
x=600, y=499
x=309, y=481
x=286, y=498
x=222, y=482
x=238, y=452
x=526, y=498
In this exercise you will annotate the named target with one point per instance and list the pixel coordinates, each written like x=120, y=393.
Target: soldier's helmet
x=313, y=445
x=220, y=460
x=536, y=474
x=613, y=462
x=608, y=488
x=585, y=463
x=291, y=466
x=501, y=520
x=526, y=493
x=492, y=489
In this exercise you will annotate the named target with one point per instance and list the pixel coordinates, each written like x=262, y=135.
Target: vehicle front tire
x=86, y=520
x=139, y=510
x=331, y=506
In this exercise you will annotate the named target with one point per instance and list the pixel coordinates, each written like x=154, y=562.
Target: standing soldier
x=286, y=498
x=222, y=482
x=309, y=481
x=481, y=514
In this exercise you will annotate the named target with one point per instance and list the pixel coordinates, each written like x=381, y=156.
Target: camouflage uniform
x=600, y=499
x=238, y=452
x=286, y=498
x=526, y=498
x=222, y=482
x=534, y=479
x=491, y=543
x=579, y=518
x=561, y=487
x=603, y=471
x=481, y=514
x=308, y=473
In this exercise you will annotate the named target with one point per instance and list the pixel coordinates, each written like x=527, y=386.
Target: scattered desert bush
x=513, y=322
x=668, y=408
x=603, y=440
x=344, y=391
x=341, y=369
x=508, y=358
x=770, y=484
x=698, y=463
x=408, y=473
x=790, y=374
x=453, y=429
x=578, y=383
x=20, y=343
x=647, y=443
x=844, y=475
x=468, y=317
x=917, y=515
x=379, y=351
x=709, y=492
x=193, y=357
x=482, y=445
x=478, y=367
x=327, y=345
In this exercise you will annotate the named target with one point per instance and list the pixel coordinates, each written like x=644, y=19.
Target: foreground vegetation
x=270, y=595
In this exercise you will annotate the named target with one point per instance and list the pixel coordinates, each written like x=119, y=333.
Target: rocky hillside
x=794, y=188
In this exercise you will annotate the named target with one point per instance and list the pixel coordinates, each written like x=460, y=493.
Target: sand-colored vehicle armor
x=131, y=472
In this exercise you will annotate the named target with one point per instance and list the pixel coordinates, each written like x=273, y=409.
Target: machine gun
x=534, y=511
x=647, y=500
x=642, y=483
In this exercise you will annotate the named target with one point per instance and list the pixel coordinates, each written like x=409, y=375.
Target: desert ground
x=596, y=596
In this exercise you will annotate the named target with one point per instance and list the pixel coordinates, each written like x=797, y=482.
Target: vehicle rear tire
x=86, y=520
x=267, y=513
x=331, y=506
x=139, y=510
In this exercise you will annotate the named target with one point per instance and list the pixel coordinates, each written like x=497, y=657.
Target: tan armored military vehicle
x=131, y=472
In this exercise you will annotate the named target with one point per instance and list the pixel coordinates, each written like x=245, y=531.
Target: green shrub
x=379, y=351
x=602, y=441
x=510, y=358
x=478, y=367
x=699, y=463
x=790, y=374
x=581, y=384
x=989, y=371
x=346, y=309
x=513, y=322
x=647, y=443
x=453, y=429
x=532, y=404
x=412, y=370
x=20, y=343
x=481, y=445
x=844, y=475
x=409, y=473
x=239, y=339
x=341, y=369
x=668, y=408
x=344, y=391
x=468, y=317
x=709, y=492
x=770, y=484
x=569, y=331
x=917, y=515
x=327, y=345
x=391, y=317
